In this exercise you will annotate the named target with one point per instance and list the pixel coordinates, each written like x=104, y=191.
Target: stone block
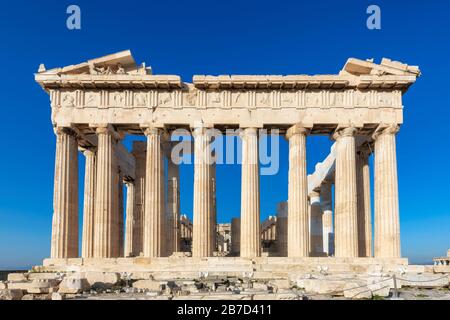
x=17, y=277
x=150, y=285
x=3, y=285
x=161, y=298
x=141, y=276
x=35, y=286
x=153, y=293
x=252, y=291
x=415, y=269
x=37, y=297
x=322, y=286
x=216, y=297
x=357, y=290
x=44, y=276
x=287, y=296
x=423, y=280
x=22, y=285
x=102, y=280
x=440, y=269
x=381, y=286
x=260, y=286
x=58, y=296
x=11, y=294
x=73, y=285
x=276, y=296
x=279, y=284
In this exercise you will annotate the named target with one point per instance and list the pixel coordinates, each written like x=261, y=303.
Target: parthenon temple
x=326, y=216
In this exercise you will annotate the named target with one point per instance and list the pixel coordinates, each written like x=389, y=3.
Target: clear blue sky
x=224, y=37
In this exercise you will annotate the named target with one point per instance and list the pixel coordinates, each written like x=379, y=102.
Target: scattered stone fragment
x=29, y=296
x=276, y=296
x=11, y=294
x=102, y=280
x=321, y=286
x=150, y=285
x=153, y=293
x=73, y=285
x=380, y=286
x=357, y=290
x=279, y=284
x=58, y=296
x=260, y=286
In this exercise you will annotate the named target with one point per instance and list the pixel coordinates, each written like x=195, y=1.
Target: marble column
x=139, y=152
x=250, y=215
x=202, y=245
x=346, y=228
x=235, y=236
x=281, y=238
x=316, y=225
x=87, y=241
x=298, y=222
x=130, y=219
x=213, y=207
x=173, y=208
x=64, y=242
x=387, y=219
x=154, y=216
x=364, y=210
x=120, y=212
x=105, y=244
x=327, y=218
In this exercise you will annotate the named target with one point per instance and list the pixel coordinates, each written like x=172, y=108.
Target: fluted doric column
x=235, y=236
x=154, y=215
x=202, y=245
x=87, y=241
x=120, y=211
x=173, y=208
x=364, y=211
x=327, y=218
x=281, y=229
x=129, y=219
x=105, y=236
x=316, y=224
x=213, y=207
x=346, y=228
x=387, y=219
x=298, y=222
x=65, y=198
x=139, y=152
x=250, y=215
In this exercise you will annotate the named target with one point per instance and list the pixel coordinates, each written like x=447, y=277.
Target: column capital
x=148, y=131
x=296, y=129
x=314, y=196
x=106, y=128
x=152, y=130
x=200, y=130
x=248, y=132
x=344, y=132
x=71, y=131
x=385, y=129
x=88, y=151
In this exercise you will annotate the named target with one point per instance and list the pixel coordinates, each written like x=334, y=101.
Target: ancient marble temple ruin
x=95, y=104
